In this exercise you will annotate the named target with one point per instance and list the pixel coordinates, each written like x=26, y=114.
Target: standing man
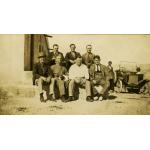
x=78, y=74
x=111, y=75
x=99, y=76
x=88, y=56
x=41, y=75
x=71, y=56
x=59, y=73
x=52, y=55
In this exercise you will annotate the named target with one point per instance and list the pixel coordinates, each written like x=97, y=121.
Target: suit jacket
x=51, y=57
x=104, y=72
x=38, y=71
x=87, y=59
x=69, y=56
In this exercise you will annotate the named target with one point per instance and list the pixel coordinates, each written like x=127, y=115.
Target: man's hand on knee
x=36, y=82
x=77, y=80
x=43, y=78
x=48, y=79
x=94, y=81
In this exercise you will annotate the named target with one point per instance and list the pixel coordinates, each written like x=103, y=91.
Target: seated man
x=59, y=73
x=41, y=74
x=71, y=56
x=78, y=74
x=99, y=76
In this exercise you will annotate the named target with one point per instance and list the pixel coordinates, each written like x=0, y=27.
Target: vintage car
x=129, y=78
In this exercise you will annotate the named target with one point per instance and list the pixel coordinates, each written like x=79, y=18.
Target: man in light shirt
x=78, y=74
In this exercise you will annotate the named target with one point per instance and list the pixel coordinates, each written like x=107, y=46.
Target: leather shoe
x=89, y=99
x=63, y=99
x=42, y=97
x=71, y=98
x=51, y=98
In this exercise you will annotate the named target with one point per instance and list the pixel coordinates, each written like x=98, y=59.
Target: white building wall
x=12, y=59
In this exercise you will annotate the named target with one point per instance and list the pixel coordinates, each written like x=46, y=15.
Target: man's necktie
x=97, y=69
x=88, y=58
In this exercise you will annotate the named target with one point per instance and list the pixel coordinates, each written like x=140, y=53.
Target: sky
x=132, y=48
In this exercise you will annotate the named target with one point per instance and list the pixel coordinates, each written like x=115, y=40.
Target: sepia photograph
x=75, y=74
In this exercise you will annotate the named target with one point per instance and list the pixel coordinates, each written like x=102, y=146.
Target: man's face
x=96, y=61
x=79, y=61
x=121, y=69
x=89, y=48
x=42, y=59
x=110, y=63
x=55, y=48
x=58, y=60
x=72, y=47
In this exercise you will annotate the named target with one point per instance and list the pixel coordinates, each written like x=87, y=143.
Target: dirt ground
x=117, y=104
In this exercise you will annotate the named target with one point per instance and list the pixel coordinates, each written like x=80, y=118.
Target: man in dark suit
x=71, y=56
x=59, y=78
x=41, y=74
x=99, y=76
x=88, y=57
x=52, y=55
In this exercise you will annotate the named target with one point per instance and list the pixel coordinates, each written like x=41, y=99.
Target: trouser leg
x=71, y=87
x=105, y=85
x=52, y=86
x=88, y=88
x=61, y=86
x=40, y=85
x=93, y=89
x=111, y=84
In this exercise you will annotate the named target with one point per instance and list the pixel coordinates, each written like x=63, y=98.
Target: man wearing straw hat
x=41, y=75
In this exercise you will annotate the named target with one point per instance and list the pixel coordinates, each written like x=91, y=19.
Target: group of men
x=64, y=75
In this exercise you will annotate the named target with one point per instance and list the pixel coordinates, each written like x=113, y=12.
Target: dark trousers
x=105, y=86
x=100, y=80
x=111, y=81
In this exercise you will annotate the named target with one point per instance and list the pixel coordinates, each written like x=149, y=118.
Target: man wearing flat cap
x=41, y=74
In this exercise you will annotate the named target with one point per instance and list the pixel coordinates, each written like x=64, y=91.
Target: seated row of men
x=67, y=74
